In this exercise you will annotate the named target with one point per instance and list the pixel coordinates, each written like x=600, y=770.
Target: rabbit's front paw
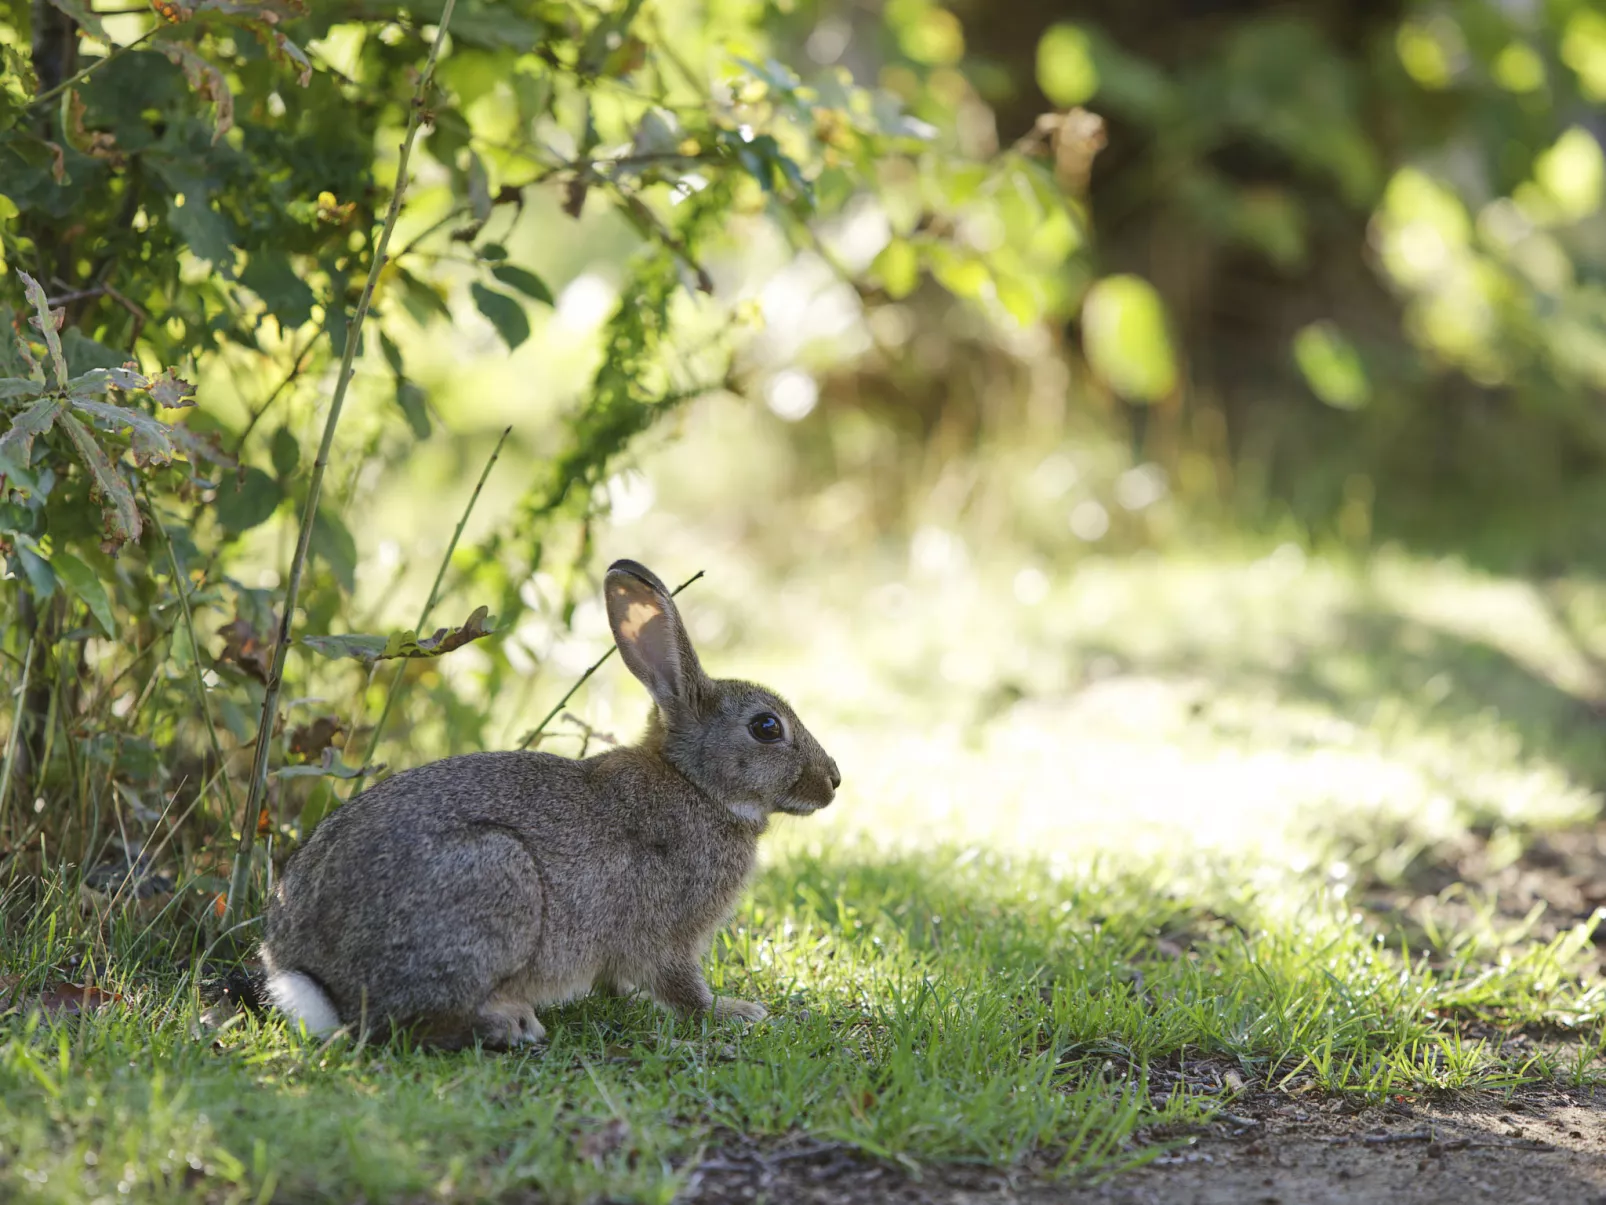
x=746, y=1010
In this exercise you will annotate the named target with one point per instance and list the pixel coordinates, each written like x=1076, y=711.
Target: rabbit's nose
x=836, y=776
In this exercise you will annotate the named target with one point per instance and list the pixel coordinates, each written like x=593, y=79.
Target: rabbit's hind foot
x=506, y=1023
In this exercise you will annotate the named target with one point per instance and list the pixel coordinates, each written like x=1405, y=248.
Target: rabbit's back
x=436, y=886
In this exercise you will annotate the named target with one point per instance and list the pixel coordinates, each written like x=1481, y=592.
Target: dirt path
x=1541, y=1147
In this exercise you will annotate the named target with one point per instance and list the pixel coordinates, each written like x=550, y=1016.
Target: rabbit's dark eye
x=765, y=727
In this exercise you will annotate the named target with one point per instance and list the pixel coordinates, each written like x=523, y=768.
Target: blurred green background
x=1022, y=299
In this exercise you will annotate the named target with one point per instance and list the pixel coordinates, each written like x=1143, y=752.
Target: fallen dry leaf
x=60, y=999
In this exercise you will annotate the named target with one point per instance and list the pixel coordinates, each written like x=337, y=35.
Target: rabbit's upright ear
x=651, y=638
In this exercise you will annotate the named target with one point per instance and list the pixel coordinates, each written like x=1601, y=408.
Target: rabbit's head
x=741, y=744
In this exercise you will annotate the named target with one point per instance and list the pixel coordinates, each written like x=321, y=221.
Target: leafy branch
x=47, y=400
x=270, y=695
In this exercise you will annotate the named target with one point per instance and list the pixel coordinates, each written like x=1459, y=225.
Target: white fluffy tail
x=300, y=999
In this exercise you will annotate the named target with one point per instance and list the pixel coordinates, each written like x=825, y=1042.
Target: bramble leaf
x=23, y=387
x=328, y=765
x=366, y=649
x=150, y=435
x=402, y=645
x=17, y=443
x=116, y=501
x=45, y=320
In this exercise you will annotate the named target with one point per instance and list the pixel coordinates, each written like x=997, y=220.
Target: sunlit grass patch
x=1177, y=814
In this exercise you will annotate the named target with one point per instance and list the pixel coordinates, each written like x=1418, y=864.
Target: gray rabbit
x=457, y=898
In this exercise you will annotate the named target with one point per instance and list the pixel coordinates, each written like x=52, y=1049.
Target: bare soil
x=1541, y=1146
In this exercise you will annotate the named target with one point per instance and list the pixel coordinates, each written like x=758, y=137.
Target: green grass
x=1135, y=830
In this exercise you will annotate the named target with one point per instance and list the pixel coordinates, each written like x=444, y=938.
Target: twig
x=16, y=729
x=588, y=733
x=1387, y=1139
x=585, y=677
x=298, y=365
x=281, y=648
x=74, y=80
x=423, y=615
x=195, y=653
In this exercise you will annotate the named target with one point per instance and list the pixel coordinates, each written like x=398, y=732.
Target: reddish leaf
x=244, y=647
x=310, y=740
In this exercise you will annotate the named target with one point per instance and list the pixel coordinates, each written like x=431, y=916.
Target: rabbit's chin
x=798, y=807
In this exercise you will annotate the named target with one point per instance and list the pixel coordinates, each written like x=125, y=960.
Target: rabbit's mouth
x=811, y=793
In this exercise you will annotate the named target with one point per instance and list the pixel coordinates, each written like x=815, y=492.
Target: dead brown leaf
x=59, y=998
x=310, y=740
x=246, y=648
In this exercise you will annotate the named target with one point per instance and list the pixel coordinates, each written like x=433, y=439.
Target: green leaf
x=82, y=581
x=150, y=435
x=421, y=299
x=409, y=645
x=1125, y=339
x=288, y=298
x=328, y=765
x=85, y=16
x=479, y=189
x=1066, y=71
x=898, y=266
x=41, y=578
x=16, y=444
x=45, y=321
x=413, y=401
x=961, y=274
x=505, y=313
x=246, y=500
x=15, y=387
x=208, y=233
x=117, y=507
x=286, y=451
x=528, y=283
x=404, y=645
x=84, y=353
x=334, y=545
x=393, y=355
x=1331, y=366
x=366, y=649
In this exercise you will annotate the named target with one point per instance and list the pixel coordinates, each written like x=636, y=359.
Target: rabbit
x=456, y=899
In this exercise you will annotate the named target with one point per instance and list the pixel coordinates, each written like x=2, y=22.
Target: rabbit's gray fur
x=456, y=898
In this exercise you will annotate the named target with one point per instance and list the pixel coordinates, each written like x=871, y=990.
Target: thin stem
x=16, y=730
x=298, y=365
x=585, y=677
x=179, y=581
x=281, y=648
x=72, y=81
x=423, y=614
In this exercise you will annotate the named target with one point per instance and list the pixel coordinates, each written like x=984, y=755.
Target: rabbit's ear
x=649, y=633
